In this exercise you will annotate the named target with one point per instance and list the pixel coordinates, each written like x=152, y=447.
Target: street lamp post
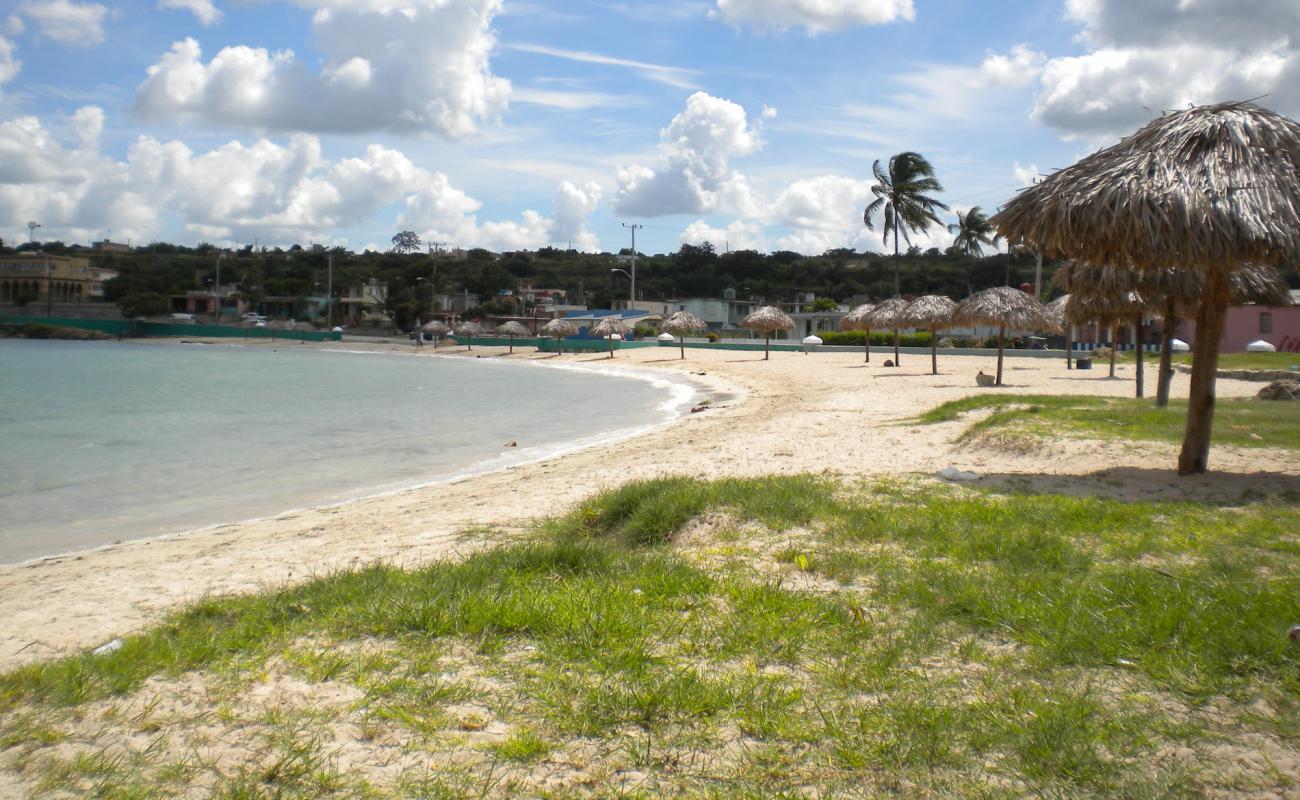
x=630, y=276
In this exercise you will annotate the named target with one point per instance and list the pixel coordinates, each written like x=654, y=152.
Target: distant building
x=365, y=302
x=110, y=247
x=1277, y=325
x=98, y=275
x=40, y=278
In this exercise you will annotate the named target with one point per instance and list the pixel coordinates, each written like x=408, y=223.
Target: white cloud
x=1155, y=56
x=738, y=235
x=814, y=16
x=281, y=193
x=9, y=63
x=88, y=121
x=203, y=10
x=1019, y=67
x=1026, y=176
x=415, y=65
x=66, y=22
x=693, y=175
x=573, y=205
x=670, y=76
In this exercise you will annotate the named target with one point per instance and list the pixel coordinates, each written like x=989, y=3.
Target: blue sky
x=508, y=125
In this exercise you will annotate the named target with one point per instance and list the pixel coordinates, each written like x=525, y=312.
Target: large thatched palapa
x=889, y=316
x=767, y=321
x=681, y=325
x=560, y=329
x=856, y=320
x=1007, y=308
x=1209, y=189
x=933, y=312
x=512, y=329
x=438, y=329
x=609, y=327
x=467, y=331
x=1109, y=296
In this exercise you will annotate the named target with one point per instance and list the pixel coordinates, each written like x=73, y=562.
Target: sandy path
x=793, y=414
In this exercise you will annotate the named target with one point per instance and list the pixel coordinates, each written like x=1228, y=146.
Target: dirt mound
x=1280, y=390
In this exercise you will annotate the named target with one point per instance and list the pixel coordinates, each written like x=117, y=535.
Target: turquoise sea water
x=102, y=442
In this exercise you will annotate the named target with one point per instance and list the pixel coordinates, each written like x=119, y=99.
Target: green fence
x=127, y=327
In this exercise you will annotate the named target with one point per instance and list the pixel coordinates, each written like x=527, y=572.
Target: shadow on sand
x=1147, y=483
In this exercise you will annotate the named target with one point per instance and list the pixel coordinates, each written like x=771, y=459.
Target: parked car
x=182, y=317
x=253, y=317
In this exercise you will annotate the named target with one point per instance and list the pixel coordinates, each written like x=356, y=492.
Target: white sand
x=794, y=413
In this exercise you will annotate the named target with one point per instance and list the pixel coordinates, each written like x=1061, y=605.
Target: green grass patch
x=1259, y=361
x=1241, y=423
x=892, y=637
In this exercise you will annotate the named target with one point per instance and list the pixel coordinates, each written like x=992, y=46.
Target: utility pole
x=216, y=290
x=329, y=295
x=633, y=227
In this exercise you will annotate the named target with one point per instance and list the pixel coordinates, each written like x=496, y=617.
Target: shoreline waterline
x=680, y=392
x=795, y=414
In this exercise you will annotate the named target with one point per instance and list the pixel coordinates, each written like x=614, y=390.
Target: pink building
x=1279, y=327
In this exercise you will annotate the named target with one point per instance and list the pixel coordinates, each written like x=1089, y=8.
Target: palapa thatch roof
x=469, y=329
x=435, y=327
x=1251, y=283
x=683, y=323
x=1057, y=309
x=512, y=328
x=559, y=328
x=1104, y=309
x=931, y=311
x=608, y=326
x=856, y=320
x=888, y=314
x=1211, y=185
x=1004, y=306
x=768, y=319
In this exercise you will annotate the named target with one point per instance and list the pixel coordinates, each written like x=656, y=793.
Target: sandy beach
x=795, y=413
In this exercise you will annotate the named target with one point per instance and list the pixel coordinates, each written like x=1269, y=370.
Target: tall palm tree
x=907, y=209
x=971, y=233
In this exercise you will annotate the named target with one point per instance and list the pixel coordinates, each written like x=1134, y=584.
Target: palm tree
x=971, y=233
x=901, y=192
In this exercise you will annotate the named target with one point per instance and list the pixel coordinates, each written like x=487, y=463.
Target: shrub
x=713, y=336
x=878, y=338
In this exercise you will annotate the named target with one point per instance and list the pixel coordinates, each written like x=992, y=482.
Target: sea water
x=102, y=442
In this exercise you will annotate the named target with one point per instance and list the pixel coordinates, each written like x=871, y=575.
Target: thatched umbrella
x=1108, y=310
x=1108, y=294
x=681, y=324
x=512, y=329
x=1209, y=189
x=469, y=330
x=559, y=328
x=438, y=329
x=889, y=315
x=1006, y=308
x=1057, y=309
x=932, y=312
x=856, y=320
x=767, y=321
x=609, y=327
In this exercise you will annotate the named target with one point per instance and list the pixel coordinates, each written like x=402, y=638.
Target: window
x=1265, y=322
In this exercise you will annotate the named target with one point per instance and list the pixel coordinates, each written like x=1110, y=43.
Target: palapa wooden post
x=1113, y=347
x=898, y=362
x=1166, y=376
x=934, y=354
x=1195, y=455
x=1138, y=327
x=1002, y=333
x=867, y=347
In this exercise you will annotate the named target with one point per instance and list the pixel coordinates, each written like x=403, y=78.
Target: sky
x=520, y=124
